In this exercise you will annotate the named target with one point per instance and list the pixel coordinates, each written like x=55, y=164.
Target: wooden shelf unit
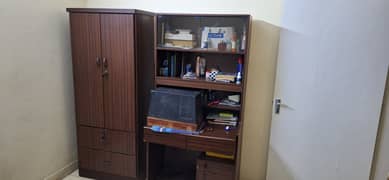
x=216, y=140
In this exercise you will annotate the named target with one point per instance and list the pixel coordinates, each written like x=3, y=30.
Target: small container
x=222, y=46
x=233, y=43
x=228, y=46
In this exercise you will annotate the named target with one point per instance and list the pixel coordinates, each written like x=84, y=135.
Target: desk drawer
x=107, y=162
x=174, y=140
x=107, y=140
x=212, y=145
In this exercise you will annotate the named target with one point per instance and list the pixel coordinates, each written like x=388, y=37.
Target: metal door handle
x=105, y=62
x=277, y=106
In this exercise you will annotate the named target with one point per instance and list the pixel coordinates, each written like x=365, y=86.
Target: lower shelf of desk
x=217, y=140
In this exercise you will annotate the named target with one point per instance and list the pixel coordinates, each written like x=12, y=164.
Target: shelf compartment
x=197, y=84
x=199, y=50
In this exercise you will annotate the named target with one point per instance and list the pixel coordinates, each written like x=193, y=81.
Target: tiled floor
x=75, y=176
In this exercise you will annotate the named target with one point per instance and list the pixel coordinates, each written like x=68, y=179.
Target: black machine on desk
x=175, y=108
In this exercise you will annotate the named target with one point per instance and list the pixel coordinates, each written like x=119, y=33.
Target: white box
x=214, y=35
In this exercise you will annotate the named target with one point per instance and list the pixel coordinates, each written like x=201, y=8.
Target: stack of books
x=180, y=38
x=223, y=118
x=225, y=77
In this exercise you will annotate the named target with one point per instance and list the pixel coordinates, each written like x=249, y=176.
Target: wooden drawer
x=174, y=140
x=107, y=162
x=107, y=140
x=215, y=169
x=212, y=145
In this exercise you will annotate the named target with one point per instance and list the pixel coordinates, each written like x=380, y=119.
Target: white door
x=332, y=66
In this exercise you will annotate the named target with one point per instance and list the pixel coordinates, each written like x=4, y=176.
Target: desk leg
x=147, y=161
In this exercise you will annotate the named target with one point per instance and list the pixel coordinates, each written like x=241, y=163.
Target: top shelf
x=200, y=50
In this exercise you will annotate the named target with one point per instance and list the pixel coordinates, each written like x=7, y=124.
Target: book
x=173, y=65
x=217, y=116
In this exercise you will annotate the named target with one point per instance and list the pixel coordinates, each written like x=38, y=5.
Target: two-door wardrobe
x=112, y=56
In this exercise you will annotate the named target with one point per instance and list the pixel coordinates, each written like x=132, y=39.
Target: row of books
x=170, y=65
x=223, y=118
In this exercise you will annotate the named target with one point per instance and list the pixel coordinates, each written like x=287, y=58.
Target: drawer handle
x=103, y=136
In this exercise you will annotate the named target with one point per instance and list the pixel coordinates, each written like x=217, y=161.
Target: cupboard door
x=88, y=84
x=119, y=80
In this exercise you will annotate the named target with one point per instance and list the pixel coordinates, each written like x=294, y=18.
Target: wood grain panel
x=197, y=84
x=91, y=137
x=112, y=163
x=86, y=48
x=91, y=159
x=107, y=140
x=212, y=145
x=174, y=140
x=122, y=165
x=120, y=142
x=215, y=170
x=119, y=85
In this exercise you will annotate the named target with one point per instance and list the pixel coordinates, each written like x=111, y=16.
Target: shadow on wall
x=258, y=107
x=380, y=165
x=283, y=171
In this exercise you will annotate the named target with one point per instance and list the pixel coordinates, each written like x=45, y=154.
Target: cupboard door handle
x=98, y=62
x=105, y=73
x=105, y=62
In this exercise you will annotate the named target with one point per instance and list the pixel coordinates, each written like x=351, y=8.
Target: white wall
x=269, y=11
x=37, y=131
x=263, y=56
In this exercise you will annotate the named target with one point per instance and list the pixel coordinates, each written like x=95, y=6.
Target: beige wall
x=264, y=47
x=37, y=131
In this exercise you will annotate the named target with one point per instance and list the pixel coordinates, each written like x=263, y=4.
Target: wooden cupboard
x=112, y=55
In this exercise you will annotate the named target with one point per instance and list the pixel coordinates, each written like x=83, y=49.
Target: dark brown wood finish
x=214, y=169
x=88, y=84
x=199, y=50
x=107, y=162
x=214, y=141
x=109, y=11
x=119, y=82
x=197, y=84
x=144, y=53
x=112, y=50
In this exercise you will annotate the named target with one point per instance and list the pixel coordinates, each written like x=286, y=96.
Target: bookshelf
x=173, y=57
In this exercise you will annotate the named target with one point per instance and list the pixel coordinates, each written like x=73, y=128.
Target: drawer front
x=212, y=170
x=212, y=145
x=91, y=137
x=120, y=142
x=107, y=162
x=107, y=140
x=174, y=140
